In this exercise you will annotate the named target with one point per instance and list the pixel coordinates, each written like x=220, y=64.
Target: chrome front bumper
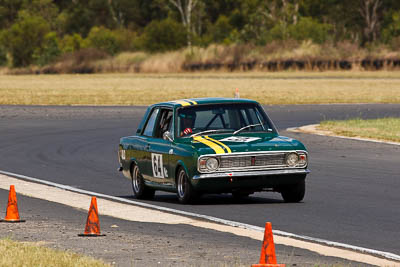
x=250, y=173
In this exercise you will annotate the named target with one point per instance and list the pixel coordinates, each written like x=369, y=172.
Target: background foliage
x=40, y=31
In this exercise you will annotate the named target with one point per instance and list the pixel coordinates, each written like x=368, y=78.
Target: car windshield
x=222, y=118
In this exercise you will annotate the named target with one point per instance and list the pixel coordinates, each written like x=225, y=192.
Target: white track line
x=374, y=252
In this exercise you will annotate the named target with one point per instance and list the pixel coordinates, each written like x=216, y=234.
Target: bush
x=310, y=29
x=125, y=39
x=24, y=37
x=71, y=43
x=3, y=56
x=103, y=39
x=3, y=52
x=395, y=43
x=393, y=29
x=165, y=35
x=49, y=51
x=81, y=61
x=347, y=49
x=278, y=33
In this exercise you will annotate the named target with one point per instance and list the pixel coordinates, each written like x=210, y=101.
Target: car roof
x=202, y=101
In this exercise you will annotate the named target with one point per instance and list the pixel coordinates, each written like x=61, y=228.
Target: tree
x=282, y=11
x=81, y=16
x=24, y=37
x=3, y=54
x=341, y=14
x=269, y=20
x=71, y=43
x=185, y=8
x=310, y=29
x=256, y=25
x=49, y=51
x=369, y=10
x=9, y=12
x=165, y=35
x=221, y=29
x=42, y=8
x=103, y=39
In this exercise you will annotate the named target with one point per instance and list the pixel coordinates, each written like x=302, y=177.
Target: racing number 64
x=157, y=163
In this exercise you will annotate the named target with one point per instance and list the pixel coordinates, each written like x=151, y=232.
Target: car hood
x=234, y=144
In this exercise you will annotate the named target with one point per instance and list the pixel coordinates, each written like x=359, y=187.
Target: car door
x=144, y=158
x=158, y=150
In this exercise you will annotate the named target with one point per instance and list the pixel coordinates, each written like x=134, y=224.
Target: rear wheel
x=294, y=193
x=185, y=191
x=140, y=190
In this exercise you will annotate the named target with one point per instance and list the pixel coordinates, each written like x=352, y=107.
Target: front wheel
x=185, y=191
x=140, y=190
x=294, y=193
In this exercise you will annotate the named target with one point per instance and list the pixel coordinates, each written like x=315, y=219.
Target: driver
x=187, y=118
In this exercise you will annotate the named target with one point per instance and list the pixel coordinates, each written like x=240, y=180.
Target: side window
x=164, y=123
x=148, y=130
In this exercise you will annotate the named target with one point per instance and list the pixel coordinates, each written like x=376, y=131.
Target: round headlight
x=292, y=159
x=212, y=164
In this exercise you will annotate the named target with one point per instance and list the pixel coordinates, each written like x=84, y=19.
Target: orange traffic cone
x=268, y=257
x=92, y=227
x=12, y=214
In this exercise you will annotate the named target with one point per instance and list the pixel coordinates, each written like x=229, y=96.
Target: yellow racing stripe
x=228, y=150
x=191, y=101
x=214, y=146
x=182, y=102
x=185, y=102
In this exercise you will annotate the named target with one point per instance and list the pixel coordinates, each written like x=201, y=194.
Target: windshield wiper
x=246, y=127
x=209, y=131
x=250, y=126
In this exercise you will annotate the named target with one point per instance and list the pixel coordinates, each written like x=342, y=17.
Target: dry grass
x=142, y=62
x=275, y=56
x=144, y=89
x=24, y=254
x=387, y=129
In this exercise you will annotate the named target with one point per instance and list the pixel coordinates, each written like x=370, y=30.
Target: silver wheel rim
x=181, y=184
x=135, y=179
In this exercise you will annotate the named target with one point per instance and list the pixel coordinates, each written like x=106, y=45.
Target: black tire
x=294, y=193
x=184, y=188
x=140, y=190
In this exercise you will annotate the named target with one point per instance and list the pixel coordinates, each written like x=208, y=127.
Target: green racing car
x=212, y=145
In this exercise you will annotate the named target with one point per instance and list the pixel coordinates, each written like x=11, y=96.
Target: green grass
x=144, y=89
x=26, y=254
x=387, y=129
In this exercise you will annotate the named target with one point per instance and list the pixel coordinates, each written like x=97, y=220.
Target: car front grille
x=252, y=161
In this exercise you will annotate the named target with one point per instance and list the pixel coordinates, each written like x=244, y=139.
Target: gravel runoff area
x=130, y=243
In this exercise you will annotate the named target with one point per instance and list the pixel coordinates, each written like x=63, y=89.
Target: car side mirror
x=167, y=136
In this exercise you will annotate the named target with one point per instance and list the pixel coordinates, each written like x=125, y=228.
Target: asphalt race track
x=352, y=192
